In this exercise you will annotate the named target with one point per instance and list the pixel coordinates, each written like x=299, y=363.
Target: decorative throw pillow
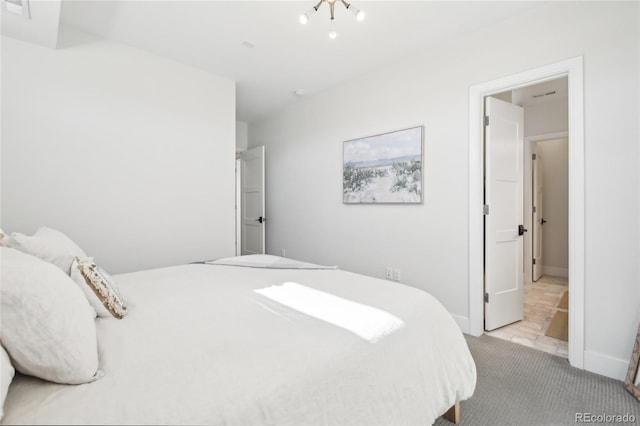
x=48, y=327
x=49, y=245
x=98, y=287
x=6, y=376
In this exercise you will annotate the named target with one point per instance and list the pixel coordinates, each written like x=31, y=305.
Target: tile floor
x=540, y=304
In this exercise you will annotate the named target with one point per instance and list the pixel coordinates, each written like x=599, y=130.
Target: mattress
x=230, y=345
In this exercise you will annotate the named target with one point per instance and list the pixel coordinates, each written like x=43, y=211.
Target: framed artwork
x=632, y=382
x=384, y=168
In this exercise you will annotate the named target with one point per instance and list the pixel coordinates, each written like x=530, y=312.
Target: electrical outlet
x=389, y=273
x=396, y=274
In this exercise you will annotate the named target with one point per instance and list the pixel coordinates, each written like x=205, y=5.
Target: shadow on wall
x=68, y=36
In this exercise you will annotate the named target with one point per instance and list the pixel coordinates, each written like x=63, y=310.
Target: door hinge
x=534, y=209
x=534, y=261
x=485, y=209
x=486, y=298
x=486, y=120
x=534, y=156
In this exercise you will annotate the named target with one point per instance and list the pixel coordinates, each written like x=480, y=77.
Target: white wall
x=554, y=157
x=546, y=118
x=129, y=154
x=242, y=136
x=429, y=242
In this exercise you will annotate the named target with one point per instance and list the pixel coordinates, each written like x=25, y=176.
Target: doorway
x=573, y=70
x=543, y=320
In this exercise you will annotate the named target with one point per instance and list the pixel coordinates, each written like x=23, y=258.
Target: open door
x=253, y=206
x=538, y=220
x=504, y=245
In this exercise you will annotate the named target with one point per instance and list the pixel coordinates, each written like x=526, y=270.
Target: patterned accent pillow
x=98, y=287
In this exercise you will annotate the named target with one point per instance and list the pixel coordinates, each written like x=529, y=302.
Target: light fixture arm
x=332, y=3
x=304, y=18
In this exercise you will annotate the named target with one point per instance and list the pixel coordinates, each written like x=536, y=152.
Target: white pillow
x=49, y=245
x=98, y=287
x=48, y=327
x=6, y=375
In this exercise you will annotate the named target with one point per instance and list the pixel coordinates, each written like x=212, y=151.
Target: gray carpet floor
x=518, y=385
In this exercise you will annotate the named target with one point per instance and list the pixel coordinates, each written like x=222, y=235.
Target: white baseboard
x=555, y=271
x=463, y=323
x=606, y=365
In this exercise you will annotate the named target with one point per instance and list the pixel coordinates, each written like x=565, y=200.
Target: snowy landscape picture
x=384, y=168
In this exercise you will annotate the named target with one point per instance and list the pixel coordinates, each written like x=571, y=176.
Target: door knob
x=521, y=230
x=542, y=221
x=260, y=219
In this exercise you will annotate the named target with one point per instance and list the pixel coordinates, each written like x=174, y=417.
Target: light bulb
x=332, y=30
x=360, y=15
x=304, y=19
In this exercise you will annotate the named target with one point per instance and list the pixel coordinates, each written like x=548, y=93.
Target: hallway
x=540, y=305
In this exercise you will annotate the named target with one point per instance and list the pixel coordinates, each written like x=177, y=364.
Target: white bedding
x=266, y=261
x=201, y=346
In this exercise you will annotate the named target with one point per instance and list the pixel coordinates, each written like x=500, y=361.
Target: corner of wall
x=605, y=365
x=463, y=323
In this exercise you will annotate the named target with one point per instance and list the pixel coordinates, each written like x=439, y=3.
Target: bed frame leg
x=453, y=414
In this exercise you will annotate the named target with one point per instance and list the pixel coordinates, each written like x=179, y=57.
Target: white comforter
x=201, y=346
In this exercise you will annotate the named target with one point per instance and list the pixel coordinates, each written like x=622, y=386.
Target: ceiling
x=287, y=55
x=549, y=91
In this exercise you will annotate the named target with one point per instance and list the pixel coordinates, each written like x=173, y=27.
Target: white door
x=252, y=206
x=504, y=246
x=538, y=220
x=238, y=209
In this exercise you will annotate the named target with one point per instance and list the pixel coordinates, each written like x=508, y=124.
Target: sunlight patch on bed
x=367, y=322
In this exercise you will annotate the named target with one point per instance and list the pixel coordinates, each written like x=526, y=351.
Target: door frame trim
x=251, y=152
x=238, y=204
x=573, y=70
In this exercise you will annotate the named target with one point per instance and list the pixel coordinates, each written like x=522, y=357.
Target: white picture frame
x=632, y=381
x=384, y=169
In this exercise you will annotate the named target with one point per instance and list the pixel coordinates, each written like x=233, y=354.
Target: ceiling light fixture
x=332, y=32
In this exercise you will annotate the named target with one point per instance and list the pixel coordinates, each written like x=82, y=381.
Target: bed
x=261, y=340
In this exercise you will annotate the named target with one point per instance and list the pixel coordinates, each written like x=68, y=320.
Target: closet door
x=253, y=206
